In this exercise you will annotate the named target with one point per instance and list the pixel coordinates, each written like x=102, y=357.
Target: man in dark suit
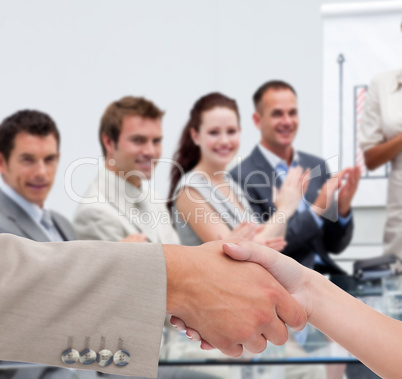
x=29, y=156
x=321, y=224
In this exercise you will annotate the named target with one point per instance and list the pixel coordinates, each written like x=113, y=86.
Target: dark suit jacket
x=303, y=236
x=14, y=220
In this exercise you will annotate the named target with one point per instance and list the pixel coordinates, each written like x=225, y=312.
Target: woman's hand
x=275, y=243
x=246, y=230
x=139, y=237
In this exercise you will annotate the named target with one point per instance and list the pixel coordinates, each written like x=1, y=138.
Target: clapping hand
x=292, y=190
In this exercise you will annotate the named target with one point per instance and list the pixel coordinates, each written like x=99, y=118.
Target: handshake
x=228, y=304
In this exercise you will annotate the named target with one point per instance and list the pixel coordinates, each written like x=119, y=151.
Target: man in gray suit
x=29, y=156
x=320, y=225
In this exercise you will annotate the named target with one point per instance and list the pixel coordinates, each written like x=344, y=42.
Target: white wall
x=71, y=59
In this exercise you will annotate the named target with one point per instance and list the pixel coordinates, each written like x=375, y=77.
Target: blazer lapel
x=261, y=164
x=60, y=225
x=24, y=222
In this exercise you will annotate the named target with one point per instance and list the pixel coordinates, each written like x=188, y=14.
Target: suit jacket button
x=121, y=358
x=104, y=357
x=87, y=357
x=70, y=356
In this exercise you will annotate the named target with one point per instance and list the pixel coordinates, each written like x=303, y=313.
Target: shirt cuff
x=345, y=220
x=316, y=218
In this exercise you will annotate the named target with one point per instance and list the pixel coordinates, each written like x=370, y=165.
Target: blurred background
x=71, y=59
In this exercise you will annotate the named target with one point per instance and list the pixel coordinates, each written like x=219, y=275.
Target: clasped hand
x=229, y=304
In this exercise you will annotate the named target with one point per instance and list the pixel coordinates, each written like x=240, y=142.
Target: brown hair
x=112, y=118
x=188, y=153
x=272, y=84
x=28, y=121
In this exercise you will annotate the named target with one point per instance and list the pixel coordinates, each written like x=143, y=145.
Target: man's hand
x=292, y=190
x=135, y=238
x=230, y=304
x=348, y=190
x=326, y=196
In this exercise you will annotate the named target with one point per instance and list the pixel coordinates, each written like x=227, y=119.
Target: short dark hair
x=112, y=119
x=29, y=121
x=272, y=84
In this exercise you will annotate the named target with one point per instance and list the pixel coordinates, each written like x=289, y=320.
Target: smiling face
x=278, y=120
x=31, y=167
x=140, y=142
x=218, y=137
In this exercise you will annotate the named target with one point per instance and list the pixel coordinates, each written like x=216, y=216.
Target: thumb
x=241, y=253
x=285, y=270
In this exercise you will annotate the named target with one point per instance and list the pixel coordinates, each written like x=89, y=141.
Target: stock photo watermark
x=112, y=188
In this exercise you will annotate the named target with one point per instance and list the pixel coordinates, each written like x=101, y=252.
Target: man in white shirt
x=130, y=134
x=29, y=156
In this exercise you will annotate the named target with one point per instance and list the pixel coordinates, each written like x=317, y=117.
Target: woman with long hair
x=206, y=204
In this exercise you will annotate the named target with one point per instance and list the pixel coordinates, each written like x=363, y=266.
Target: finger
x=291, y=313
x=256, y=345
x=193, y=335
x=275, y=240
x=357, y=174
x=257, y=228
x=276, y=243
x=288, y=309
x=232, y=351
x=206, y=346
x=331, y=185
x=276, y=332
x=248, y=231
x=241, y=232
x=358, y=171
x=294, y=174
x=177, y=323
x=238, y=230
x=260, y=228
x=278, y=247
x=238, y=253
x=342, y=175
x=275, y=263
x=305, y=180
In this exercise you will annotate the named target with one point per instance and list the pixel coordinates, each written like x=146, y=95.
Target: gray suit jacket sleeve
x=55, y=296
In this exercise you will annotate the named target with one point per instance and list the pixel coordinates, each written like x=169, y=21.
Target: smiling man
x=29, y=156
x=130, y=134
x=321, y=225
